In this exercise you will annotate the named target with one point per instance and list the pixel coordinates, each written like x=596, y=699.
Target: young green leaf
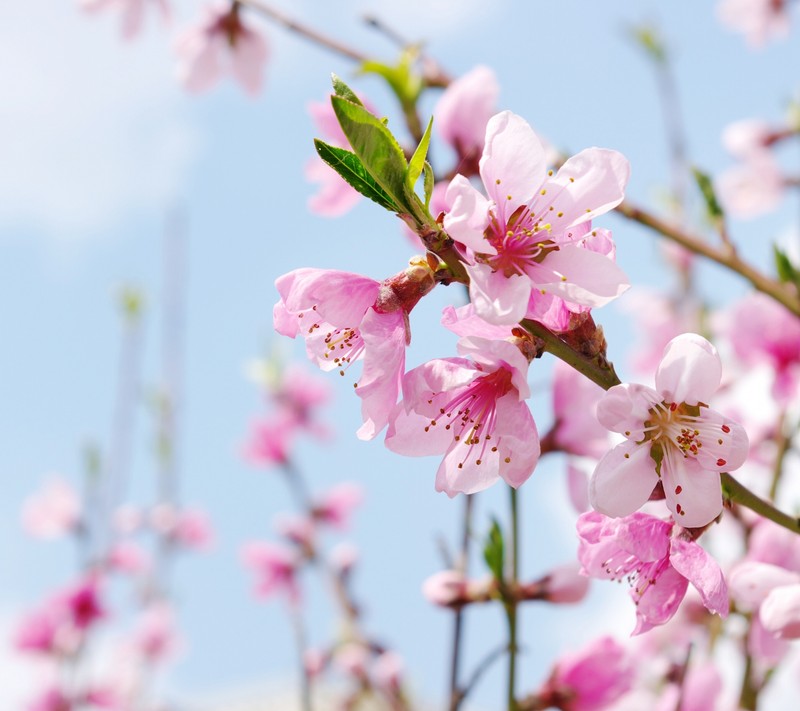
x=417, y=162
x=427, y=173
x=376, y=147
x=352, y=170
x=787, y=272
x=494, y=551
x=713, y=207
x=341, y=89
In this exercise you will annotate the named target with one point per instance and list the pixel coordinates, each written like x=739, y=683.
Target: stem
x=724, y=255
x=300, y=640
x=734, y=492
x=600, y=372
x=783, y=440
x=297, y=486
x=748, y=696
x=457, y=695
x=304, y=31
x=511, y=604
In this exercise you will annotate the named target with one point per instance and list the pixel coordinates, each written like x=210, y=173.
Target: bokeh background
x=103, y=153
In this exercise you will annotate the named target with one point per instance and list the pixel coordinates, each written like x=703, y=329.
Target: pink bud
x=565, y=584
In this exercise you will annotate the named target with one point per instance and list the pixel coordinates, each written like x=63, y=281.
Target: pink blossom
x=387, y=671
x=763, y=331
x=672, y=438
x=300, y=394
x=275, y=567
x=757, y=20
x=221, y=44
x=658, y=560
x=82, y=603
x=445, y=587
x=565, y=584
x=753, y=187
x=52, y=699
x=352, y=658
x=300, y=530
x=52, y=512
x=156, y=637
x=523, y=237
x=338, y=503
x=37, y=631
x=193, y=529
x=346, y=317
x=132, y=12
x=269, y=440
x=474, y=412
x=590, y=679
x=128, y=557
x=699, y=691
x=465, y=108
x=343, y=558
x=576, y=429
x=747, y=137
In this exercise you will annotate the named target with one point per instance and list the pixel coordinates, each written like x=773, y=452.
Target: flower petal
x=513, y=164
x=659, y=600
x=624, y=409
x=780, y=612
x=752, y=581
x=623, y=480
x=692, y=561
x=694, y=494
x=580, y=276
x=587, y=185
x=467, y=215
x=498, y=299
x=690, y=370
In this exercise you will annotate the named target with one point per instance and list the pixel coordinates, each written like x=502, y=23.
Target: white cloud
x=92, y=126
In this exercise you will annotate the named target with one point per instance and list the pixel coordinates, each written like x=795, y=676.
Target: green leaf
x=787, y=272
x=341, y=89
x=417, y=162
x=715, y=211
x=352, y=170
x=406, y=84
x=494, y=551
x=376, y=147
x=427, y=172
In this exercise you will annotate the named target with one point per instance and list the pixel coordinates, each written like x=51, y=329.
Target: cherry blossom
x=336, y=506
x=757, y=20
x=672, y=438
x=275, y=567
x=658, y=560
x=523, y=237
x=474, y=412
x=465, y=108
x=753, y=187
x=132, y=12
x=52, y=512
x=221, y=44
x=590, y=679
x=346, y=317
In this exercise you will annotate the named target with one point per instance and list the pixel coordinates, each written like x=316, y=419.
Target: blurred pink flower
x=763, y=331
x=472, y=411
x=590, y=679
x=757, y=20
x=275, y=567
x=657, y=559
x=221, y=44
x=464, y=109
x=51, y=699
x=52, y=512
x=193, y=529
x=337, y=504
x=343, y=558
x=155, y=637
x=576, y=429
x=672, y=437
x=269, y=440
x=565, y=584
x=752, y=187
x=132, y=12
x=128, y=557
x=387, y=671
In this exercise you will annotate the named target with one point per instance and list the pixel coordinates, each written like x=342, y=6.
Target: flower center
x=520, y=243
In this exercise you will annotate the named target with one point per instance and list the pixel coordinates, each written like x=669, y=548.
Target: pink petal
x=660, y=599
x=465, y=322
x=513, y=164
x=467, y=215
x=465, y=107
x=247, y=60
x=334, y=197
x=497, y=298
x=581, y=276
x=624, y=409
x=587, y=185
x=751, y=582
x=458, y=473
x=384, y=364
x=725, y=443
x=690, y=370
x=780, y=612
x=496, y=354
x=702, y=571
x=517, y=440
x=623, y=480
x=694, y=494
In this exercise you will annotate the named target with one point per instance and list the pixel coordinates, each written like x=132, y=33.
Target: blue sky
x=101, y=145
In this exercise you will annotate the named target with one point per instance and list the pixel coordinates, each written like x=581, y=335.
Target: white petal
x=690, y=370
x=623, y=480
